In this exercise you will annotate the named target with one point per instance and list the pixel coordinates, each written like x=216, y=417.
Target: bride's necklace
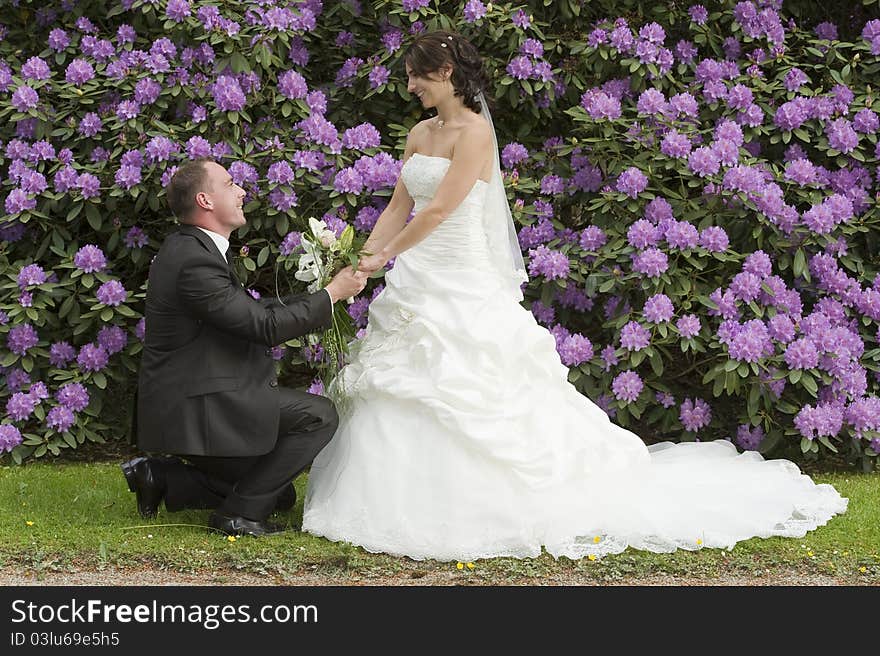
x=440, y=123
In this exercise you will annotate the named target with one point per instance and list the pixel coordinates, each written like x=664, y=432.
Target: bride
x=460, y=437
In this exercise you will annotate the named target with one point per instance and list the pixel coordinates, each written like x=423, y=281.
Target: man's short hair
x=187, y=181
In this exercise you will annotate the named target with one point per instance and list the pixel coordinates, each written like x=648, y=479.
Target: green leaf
x=656, y=363
x=806, y=445
x=74, y=211
x=239, y=63
x=93, y=216
x=346, y=239
x=66, y=307
x=754, y=397
x=263, y=256
x=106, y=314
x=100, y=380
x=827, y=443
x=800, y=263
x=809, y=383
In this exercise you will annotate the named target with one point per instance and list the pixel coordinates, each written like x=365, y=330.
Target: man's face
x=226, y=197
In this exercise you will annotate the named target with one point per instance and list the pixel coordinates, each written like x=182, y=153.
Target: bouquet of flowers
x=323, y=255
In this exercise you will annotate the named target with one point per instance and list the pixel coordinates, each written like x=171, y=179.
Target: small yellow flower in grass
x=592, y=556
x=230, y=538
x=596, y=540
x=459, y=565
x=699, y=541
x=29, y=523
x=863, y=569
x=470, y=565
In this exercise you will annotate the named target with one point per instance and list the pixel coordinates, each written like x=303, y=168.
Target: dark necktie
x=228, y=257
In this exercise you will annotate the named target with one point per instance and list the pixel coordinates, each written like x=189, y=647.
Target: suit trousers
x=250, y=486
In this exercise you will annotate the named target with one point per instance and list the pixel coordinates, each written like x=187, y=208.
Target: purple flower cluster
x=292, y=85
x=688, y=326
x=474, y=10
x=632, y=182
x=535, y=235
x=833, y=210
x=841, y=135
x=112, y=339
x=695, y=414
x=228, y=94
x=575, y=350
x=31, y=275
x=21, y=405
x=871, y=34
x=60, y=419
x=22, y=338
x=111, y=293
x=749, y=438
x=600, y=105
x=415, y=5
x=675, y=145
x=634, y=336
x=548, y=263
x=652, y=262
x=543, y=313
x=60, y=353
x=592, y=238
x=361, y=137
x=73, y=396
x=825, y=419
x=10, y=437
x=627, y=386
x=92, y=357
x=658, y=309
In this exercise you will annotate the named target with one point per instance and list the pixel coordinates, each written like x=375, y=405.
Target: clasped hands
x=348, y=282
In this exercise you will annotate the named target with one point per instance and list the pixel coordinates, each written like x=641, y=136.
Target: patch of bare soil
x=146, y=576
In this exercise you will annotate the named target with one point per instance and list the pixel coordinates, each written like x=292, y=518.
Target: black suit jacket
x=207, y=383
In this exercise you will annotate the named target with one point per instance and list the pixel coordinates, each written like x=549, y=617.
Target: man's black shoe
x=146, y=479
x=236, y=525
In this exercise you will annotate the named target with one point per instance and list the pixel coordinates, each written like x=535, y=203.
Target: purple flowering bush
x=695, y=194
x=726, y=244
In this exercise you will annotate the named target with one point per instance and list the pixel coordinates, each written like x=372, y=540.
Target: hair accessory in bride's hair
x=442, y=45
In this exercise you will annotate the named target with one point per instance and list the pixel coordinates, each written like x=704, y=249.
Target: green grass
x=83, y=516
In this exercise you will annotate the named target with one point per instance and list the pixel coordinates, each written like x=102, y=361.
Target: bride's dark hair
x=430, y=52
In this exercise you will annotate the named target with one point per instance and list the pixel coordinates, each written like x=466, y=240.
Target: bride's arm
x=394, y=216
x=471, y=149
x=391, y=220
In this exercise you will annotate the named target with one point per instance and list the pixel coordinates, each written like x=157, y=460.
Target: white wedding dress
x=461, y=438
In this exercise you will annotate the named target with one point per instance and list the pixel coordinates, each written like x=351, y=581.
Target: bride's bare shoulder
x=417, y=134
x=420, y=128
x=477, y=128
